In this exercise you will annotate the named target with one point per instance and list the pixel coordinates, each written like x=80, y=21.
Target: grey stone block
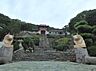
x=81, y=53
x=6, y=54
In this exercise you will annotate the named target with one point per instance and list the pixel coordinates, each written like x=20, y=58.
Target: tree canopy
x=14, y=26
x=85, y=24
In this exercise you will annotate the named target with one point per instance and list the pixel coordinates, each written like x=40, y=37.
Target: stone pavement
x=46, y=66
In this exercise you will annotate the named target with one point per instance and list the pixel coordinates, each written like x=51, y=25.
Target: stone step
x=42, y=56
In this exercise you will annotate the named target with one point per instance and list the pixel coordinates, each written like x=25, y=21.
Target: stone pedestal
x=6, y=54
x=83, y=57
x=81, y=54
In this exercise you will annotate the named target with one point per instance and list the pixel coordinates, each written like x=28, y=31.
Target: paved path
x=46, y=66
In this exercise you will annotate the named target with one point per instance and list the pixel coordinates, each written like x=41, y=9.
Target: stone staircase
x=39, y=54
x=44, y=53
x=44, y=42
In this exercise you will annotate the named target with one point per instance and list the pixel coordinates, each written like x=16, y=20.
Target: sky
x=55, y=13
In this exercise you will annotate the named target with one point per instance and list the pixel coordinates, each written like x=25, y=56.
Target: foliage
x=61, y=47
x=61, y=44
x=55, y=36
x=86, y=35
x=28, y=44
x=88, y=42
x=28, y=26
x=62, y=40
x=84, y=28
x=89, y=16
x=82, y=22
x=14, y=26
x=94, y=31
x=27, y=40
x=94, y=27
x=87, y=29
x=30, y=41
x=92, y=50
x=35, y=39
x=16, y=45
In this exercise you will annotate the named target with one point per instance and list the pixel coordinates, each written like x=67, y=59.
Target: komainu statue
x=6, y=50
x=81, y=51
x=79, y=41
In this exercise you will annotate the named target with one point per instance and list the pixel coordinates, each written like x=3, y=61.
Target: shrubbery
x=92, y=50
x=61, y=44
x=86, y=35
x=82, y=22
x=16, y=45
x=85, y=23
x=94, y=31
x=27, y=42
x=84, y=28
x=89, y=42
x=55, y=36
x=35, y=39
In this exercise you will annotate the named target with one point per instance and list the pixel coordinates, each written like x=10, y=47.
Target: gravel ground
x=46, y=66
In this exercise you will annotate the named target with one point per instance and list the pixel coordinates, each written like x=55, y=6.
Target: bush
x=88, y=42
x=27, y=40
x=92, y=50
x=94, y=31
x=61, y=44
x=16, y=45
x=28, y=44
x=50, y=36
x=62, y=40
x=86, y=35
x=84, y=28
x=35, y=39
x=94, y=27
x=55, y=36
x=83, y=22
x=61, y=47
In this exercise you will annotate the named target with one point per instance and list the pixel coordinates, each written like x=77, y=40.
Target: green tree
x=14, y=26
x=83, y=27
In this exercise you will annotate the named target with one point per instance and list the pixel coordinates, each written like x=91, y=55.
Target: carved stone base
x=81, y=53
x=6, y=54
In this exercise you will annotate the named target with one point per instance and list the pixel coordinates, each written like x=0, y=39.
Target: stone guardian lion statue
x=81, y=51
x=6, y=50
x=79, y=41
